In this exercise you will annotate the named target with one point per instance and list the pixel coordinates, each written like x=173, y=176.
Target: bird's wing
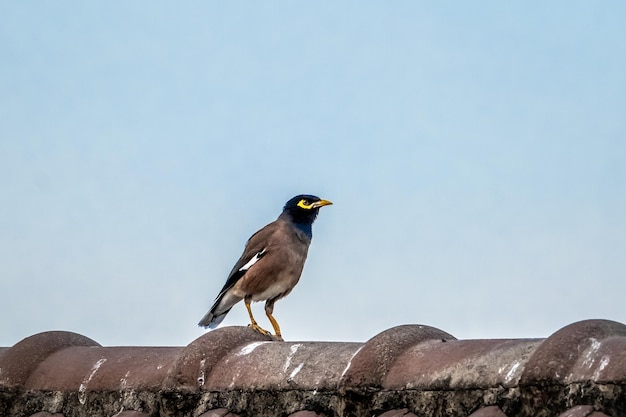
x=256, y=248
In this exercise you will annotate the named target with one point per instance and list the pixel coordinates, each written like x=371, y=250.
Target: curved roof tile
x=409, y=370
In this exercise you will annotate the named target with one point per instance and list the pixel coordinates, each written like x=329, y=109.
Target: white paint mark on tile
x=124, y=381
x=603, y=364
x=509, y=375
x=235, y=379
x=350, y=361
x=82, y=396
x=247, y=349
x=201, y=373
x=293, y=349
x=591, y=352
x=296, y=370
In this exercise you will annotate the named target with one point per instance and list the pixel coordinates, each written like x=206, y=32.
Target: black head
x=303, y=208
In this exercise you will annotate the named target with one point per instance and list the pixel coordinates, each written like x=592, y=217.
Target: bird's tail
x=218, y=312
x=212, y=320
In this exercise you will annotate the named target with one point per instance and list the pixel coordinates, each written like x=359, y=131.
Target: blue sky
x=474, y=152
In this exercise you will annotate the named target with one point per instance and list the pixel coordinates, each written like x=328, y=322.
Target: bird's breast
x=274, y=275
x=277, y=289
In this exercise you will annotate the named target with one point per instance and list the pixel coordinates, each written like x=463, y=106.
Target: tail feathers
x=220, y=309
x=212, y=320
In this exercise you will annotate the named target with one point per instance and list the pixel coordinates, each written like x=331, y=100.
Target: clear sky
x=475, y=153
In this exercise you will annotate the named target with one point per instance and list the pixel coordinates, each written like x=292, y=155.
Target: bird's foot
x=259, y=329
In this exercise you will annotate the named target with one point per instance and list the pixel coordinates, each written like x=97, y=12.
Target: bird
x=271, y=264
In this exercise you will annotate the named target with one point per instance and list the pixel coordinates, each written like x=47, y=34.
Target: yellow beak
x=321, y=203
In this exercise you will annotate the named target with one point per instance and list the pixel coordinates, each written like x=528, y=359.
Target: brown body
x=275, y=274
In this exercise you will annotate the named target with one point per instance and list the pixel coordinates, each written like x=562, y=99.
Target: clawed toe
x=259, y=329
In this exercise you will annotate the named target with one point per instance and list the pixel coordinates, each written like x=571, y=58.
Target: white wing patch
x=253, y=260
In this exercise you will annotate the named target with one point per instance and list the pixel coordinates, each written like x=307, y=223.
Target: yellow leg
x=253, y=322
x=269, y=309
x=274, y=325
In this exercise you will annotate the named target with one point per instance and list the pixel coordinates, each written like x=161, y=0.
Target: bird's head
x=303, y=208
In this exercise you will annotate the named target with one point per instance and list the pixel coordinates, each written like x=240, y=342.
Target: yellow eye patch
x=303, y=204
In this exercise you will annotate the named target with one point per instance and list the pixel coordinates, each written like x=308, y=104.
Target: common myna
x=271, y=263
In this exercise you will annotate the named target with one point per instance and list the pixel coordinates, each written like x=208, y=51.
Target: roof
x=408, y=370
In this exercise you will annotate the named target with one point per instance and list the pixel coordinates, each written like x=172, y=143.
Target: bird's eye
x=304, y=203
